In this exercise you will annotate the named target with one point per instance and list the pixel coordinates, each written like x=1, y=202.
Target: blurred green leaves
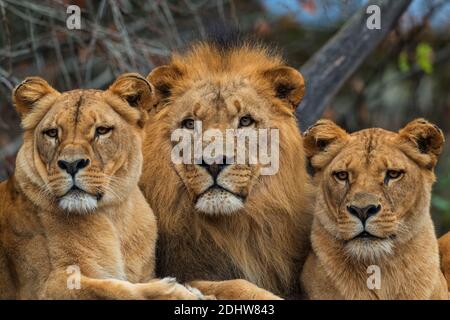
x=423, y=59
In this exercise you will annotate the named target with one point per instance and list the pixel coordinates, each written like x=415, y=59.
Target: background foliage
x=407, y=76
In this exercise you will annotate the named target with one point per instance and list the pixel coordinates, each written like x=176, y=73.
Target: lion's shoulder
x=9, y=195
x=444, y=250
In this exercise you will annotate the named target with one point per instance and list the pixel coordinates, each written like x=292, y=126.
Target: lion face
x=221, y=101
x=219, y=186
x=82, y=148
x=373, y=183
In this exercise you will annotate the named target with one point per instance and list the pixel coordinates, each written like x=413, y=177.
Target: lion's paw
x=237, y=289
x=200, y=295
x=169, y=289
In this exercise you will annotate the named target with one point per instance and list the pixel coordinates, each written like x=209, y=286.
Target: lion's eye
x=341, y=175
x=188, y=123
x=393, y=174
x=246, y=121
x=102, y=130
x=52, y=133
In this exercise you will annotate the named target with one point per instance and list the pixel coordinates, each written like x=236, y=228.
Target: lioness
x=223, y=220
x=444, y=250
x=73, y=222
x=372, y=234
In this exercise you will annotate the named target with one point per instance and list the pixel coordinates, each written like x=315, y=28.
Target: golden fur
x=373, y=208
x=105, y=229
x=259, y=230
x=444, y=250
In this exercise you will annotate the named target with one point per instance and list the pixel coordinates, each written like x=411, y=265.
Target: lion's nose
x=364, y=213
x=215, y=168
x=73, y=167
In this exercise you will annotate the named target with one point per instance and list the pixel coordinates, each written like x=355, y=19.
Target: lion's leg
x=233, y=290
x=58, y=287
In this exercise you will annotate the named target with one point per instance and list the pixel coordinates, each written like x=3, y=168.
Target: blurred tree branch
x=327, y=71
x=410, y=39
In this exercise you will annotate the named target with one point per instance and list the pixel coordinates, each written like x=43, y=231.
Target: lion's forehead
x=372, y=149
x=81, y=99
x=75, y=97
x=221, y=99
x=77, y=106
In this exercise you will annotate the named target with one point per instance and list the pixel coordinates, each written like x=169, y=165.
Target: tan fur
x=111, y=240
x=236, y=289
x=265, y=242
x=406, y=249
x=444, y=250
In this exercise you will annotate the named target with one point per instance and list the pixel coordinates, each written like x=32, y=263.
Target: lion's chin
x=216, y=202
x=78, y=202
x=370, y=250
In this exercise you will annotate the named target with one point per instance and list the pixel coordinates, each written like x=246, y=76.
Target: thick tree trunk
x=335, y=62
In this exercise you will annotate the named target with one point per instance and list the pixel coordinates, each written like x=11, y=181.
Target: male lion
x=222, y=221
x=73, y=222
x=372, y=235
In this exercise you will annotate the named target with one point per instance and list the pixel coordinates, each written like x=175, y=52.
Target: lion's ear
x=134, y=89
x=422, y=141
x=322, y=141
x=287, y=83
x=30, y=91
x=163, y=79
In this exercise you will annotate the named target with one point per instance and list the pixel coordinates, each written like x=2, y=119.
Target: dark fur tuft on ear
x=288, y=84
x=162, y=79
x=134, y=89
x=321, y=134
x=138, y=94
x=422, y=141
x=322, y=141
x=283, y=90
x=30, y=91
